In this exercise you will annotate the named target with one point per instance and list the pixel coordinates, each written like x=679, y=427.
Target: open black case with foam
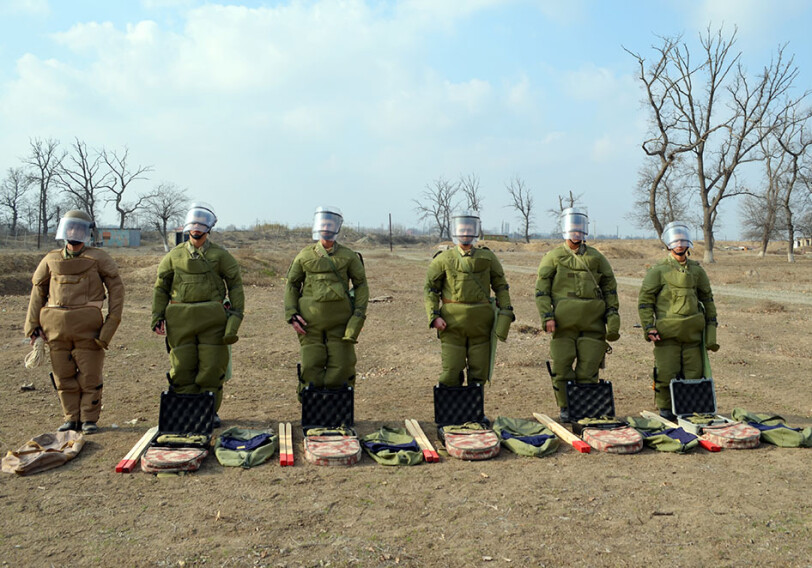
x=593, y=401
x=327, y=408
x=454, y=406
x=185, y=415
x=694, y=400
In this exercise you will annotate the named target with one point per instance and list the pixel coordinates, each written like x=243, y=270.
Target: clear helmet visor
x=73, y=230
x=327, y=223
x=676, y=234
x=465, y=229
x=200, y=219
x=574, y=224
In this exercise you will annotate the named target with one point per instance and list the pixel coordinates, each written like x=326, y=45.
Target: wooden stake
x=563, y=433
x=128, y=462
x=429, y=453
x=707, y=444
x=285, y=444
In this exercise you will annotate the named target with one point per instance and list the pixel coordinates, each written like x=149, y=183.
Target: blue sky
x=268, y=109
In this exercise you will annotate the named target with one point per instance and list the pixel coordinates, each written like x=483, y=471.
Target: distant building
x=801, y=242
x=110, y=237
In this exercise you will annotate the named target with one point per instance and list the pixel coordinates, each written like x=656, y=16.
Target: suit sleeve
x=647, y=299
x=705, y=295
x=544, y=287
x=108, y=270
x=293, y=288
x=39, y=296
x=433, y=288
x=608, y=285
x=499, y=285
x=162, y=290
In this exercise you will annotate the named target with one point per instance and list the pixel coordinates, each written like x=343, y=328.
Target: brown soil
x=733, y=508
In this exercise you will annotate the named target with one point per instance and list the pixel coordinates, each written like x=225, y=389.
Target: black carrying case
x=327, y=408
x=185, y=414
x=591, y=400
x=692, y=397
x=457, y=405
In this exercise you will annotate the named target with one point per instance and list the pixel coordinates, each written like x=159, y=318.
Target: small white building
x=801, y=242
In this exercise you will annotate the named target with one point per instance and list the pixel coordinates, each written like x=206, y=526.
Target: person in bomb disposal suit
x=66, y=310
x=458, y=305
x=576, y=296
x=198, y=303
x=325, y=313
x=676, y=308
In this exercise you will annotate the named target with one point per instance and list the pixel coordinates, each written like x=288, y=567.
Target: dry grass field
x=733, y=508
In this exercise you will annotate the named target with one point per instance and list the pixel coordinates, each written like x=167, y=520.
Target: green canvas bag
x=375, y=445
x=654, y=436
x=249, y=458
x=512, y=430
x=782, y=437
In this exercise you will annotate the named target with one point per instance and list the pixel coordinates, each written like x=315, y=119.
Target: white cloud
x=29, y=7
x=754, y=18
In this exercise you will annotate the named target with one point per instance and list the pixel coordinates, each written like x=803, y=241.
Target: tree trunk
x=708, y=257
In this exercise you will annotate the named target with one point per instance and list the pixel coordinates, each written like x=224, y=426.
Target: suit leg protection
x=67, y=386
x=479, y=359
x=562, y=352
x=313, y=351
x=341, y=361
x=591, y=353
x=453, y=355
x=91, y=364
x=184, y=368
x=692, y=361
x=667, y=357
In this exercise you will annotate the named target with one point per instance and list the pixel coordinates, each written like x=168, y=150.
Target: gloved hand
x=353, y=329
x=108, y=330
x=503, y=320
x=299, y=324
x=232, y=327
x=612, y=327
x=101, y=343
x=160, y=327
x=710, y=338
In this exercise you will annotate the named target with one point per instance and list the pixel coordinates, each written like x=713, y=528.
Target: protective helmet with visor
x=677, y=234
x=75, y=227
x=200, y=217
x=327, y=223
x=574, y=224
x=465, y=228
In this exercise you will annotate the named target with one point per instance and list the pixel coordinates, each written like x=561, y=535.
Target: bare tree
x=83, y=178
x=122, y=176
x=795, y=139
x=469, y=185
x=685, y=105
x=44, y=162
x=12, y=195
x=522, y=202
x=437, y=203
x=166, y=207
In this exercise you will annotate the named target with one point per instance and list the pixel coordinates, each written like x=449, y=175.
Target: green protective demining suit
x=318, y=290
x=457, y=288
x=578, y=290
x=189, y=295
x=677, y=301
x=66, y=302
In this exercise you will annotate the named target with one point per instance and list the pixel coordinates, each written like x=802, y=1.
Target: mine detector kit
x=564, y=434
x=129, y=461
x=693, y=402
x=185, y=425
x=707, y=444
x=429, y=453
x=459, y=413
x=327, y=425
x=592, y=413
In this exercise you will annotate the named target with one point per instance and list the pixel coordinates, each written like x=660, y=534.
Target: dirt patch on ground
x=733, y=508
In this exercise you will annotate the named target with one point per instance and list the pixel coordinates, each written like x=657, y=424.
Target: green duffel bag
x=241, y=447
x=525, y=437
x=774, y=429
x=660, y=437
x=392, y=446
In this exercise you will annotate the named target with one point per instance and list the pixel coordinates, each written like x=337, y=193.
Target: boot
x=564, y=416
x=89, y=428
x=69, y=425
x=216, y=422
x=667, y=414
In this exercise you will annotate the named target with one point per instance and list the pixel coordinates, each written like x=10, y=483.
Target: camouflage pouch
x=392, y=446
x=181, y=440
x=700, y=419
